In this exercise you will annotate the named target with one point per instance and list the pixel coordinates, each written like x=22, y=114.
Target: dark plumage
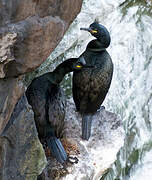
x=90, y=86
x=48, y=103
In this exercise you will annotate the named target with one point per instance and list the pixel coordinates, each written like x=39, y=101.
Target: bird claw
x=101, y=108
x=72, y=160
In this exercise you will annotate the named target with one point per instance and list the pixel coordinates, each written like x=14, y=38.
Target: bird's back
x=48, y=103
x=56, y=109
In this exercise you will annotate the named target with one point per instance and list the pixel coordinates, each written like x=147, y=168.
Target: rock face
x=95, y=155
x=29, y=32
x=21, y=152
x=32, y=29
x=11, y=90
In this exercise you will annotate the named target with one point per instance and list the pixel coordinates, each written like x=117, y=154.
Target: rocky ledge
x=24, y=156
x=96, y=155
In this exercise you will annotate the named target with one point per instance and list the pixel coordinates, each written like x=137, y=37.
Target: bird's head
x=81, y=64
x=100, y=32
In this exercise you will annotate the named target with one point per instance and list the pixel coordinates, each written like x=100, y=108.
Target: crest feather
x=96, y=20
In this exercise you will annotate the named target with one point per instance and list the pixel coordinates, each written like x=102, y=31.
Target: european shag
x=90, y=86
x=48, y=103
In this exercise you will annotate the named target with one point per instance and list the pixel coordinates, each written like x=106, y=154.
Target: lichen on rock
x=6, y=54
x=22, y=154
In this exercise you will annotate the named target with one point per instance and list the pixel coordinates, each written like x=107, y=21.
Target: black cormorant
x=48, y=103
x=90, y=86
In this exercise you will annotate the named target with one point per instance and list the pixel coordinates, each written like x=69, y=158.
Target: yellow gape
x=78, y=66
x=94, y=31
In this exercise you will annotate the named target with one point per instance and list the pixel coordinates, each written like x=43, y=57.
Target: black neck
x=61, y=70
x=95, y=45
x=101, y=43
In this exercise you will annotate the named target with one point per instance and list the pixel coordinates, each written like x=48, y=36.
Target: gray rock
x=22, y=155
x=30, y=30
x=11, y=90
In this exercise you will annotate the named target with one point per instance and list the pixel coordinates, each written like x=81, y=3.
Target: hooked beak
x=82, y=60
x=89, y=30
x=86, y=29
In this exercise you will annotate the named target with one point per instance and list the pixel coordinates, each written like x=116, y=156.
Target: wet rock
x=96, y=155
x=6, y=43
x=30, y=31
x=11, y=90
x=21, y=154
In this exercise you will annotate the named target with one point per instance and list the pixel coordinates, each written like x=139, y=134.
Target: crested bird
x=90, y=86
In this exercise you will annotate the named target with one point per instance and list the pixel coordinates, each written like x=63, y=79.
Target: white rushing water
x=130, y=94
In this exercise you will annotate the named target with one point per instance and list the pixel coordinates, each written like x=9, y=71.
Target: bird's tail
x=57, y=149
x=86, y=126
